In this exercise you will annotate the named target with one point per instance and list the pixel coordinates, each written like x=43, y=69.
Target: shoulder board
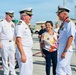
x=1, y=20
x=19, y=23
x=12, y=25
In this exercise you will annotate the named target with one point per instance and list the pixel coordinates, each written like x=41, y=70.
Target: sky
x=43, y=10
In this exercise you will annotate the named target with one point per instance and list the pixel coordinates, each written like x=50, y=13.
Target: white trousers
x=75, y=39
x=8, y=51
x=27, y=67
x=63, y=65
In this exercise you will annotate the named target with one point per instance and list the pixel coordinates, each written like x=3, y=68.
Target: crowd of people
x=55, y=45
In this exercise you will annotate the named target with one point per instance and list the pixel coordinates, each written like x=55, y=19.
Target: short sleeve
x=0, y=27
x=71, y=29
x=18, y=30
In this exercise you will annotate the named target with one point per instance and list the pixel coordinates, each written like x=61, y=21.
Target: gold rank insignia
x=19, y=23
x=12, y=25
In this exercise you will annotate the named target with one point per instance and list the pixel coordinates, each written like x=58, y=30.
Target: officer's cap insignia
x=63, y=9
x=10, y=13
x=19, y=23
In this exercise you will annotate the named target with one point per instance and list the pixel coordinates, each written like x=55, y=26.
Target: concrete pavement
x=39, y=62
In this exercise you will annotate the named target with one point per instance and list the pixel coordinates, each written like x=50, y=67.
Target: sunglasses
x=29, y=15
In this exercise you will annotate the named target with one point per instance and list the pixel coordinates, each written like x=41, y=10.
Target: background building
x=38, y=25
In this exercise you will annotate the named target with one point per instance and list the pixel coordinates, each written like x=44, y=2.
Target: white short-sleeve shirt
x=49, y=40
x=66, y=31
x=6, y=30
x=22, y=30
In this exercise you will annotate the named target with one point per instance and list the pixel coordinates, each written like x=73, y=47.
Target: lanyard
x=66, y=19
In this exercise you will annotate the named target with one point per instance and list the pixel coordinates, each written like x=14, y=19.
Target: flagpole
x=64, y=2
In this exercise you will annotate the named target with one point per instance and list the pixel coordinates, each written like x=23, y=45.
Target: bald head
x=42, y=26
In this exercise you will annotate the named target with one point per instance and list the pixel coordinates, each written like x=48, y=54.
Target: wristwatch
x=65, y=50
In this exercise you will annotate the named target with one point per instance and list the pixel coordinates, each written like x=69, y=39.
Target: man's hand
x=23, y=58
x=39, y=36
x=0, y=45
x=43, y=55
x=63, y=55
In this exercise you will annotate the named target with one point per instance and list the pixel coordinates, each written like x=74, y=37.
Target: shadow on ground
x=39, y=62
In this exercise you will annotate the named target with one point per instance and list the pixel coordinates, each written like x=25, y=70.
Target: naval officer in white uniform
x=66, y=38
x=7, y=43
x=24, y=43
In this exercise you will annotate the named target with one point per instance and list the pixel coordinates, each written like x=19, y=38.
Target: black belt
x=10, y=40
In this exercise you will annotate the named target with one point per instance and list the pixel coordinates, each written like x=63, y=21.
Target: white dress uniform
x=75, y=38
x=63, y=65
x=22, y=30
x=8, y=49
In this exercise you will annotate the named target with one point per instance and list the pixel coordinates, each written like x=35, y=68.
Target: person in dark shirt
x=43, y=29
x=31, y=29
